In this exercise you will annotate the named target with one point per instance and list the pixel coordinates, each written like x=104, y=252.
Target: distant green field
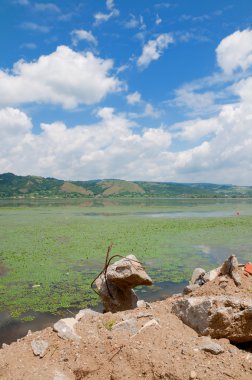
x=50, y=254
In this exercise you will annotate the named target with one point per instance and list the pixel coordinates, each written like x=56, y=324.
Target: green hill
x=13, y=186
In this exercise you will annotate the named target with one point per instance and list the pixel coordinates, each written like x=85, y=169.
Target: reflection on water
x=216, y=255
x=116, y=202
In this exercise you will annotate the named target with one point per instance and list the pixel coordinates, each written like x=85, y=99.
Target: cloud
x=104, y=17
x=132, y=22
x=164, y=5
x=110, y=4
x=35, y=27
x=65, y=77
x=215, y=149
x=194, y=130
x=46, y=7
x=154, y=49
x=80, y=34
x=203, y=149
x=235, y=51
x=195, y=100
x=158, y=20
x=109, y=147
x=28, y=45
x=134, y=98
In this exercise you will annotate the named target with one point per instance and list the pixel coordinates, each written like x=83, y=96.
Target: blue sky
x=137, y=90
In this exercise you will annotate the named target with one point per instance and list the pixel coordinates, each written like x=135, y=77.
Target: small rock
x=65, y=329
x=86, y=312
x=230, y=267
x=142, y=303
x=4, y=345
x=223, y=285
x=60, y=376
x=39, y=347
x=128, y=325
x=212, y=347
x=198, y=273
x=193, y=375
x=190, y=288
x=152, y=322
x=211, y=275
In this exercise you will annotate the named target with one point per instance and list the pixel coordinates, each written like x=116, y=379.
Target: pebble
x=39, y=347
x=193, y=375
x=212, y=347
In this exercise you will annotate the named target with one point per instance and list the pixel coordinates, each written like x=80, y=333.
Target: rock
x=60, y=376
x=65, y=329
x=129, y=325
x=197, y=275
x=151, y=323
x=39, y=347
x=142, y=303
x=4, y=345
x=86, y=313
x=190, y=288
x=122, y=276
x=128, y=272
x=212, y=347
x=211, y=275
x=231, y=267
x=218, y=316
x=115, y=298
x=193, y=375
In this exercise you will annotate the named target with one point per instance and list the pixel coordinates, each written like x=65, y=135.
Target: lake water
x=159, y=230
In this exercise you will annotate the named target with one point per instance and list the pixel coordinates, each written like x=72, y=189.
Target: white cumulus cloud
x=64, y=77
x=109, y=147
x=219, y=148
x=235, y=51
x=154, y=49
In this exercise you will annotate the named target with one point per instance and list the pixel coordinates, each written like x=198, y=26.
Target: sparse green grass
x=109, y=324
x=63, y=248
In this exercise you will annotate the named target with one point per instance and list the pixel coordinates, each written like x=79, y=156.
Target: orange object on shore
x=248, y=268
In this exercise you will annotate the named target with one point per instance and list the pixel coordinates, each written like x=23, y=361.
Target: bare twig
x=117, y=352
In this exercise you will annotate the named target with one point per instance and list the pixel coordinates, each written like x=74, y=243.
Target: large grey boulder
x=218, y=316
x=115, y=288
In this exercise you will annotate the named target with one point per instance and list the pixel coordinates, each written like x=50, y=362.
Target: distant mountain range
x=13, y=186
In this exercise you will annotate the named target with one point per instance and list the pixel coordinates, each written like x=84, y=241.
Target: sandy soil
x=164, y=349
